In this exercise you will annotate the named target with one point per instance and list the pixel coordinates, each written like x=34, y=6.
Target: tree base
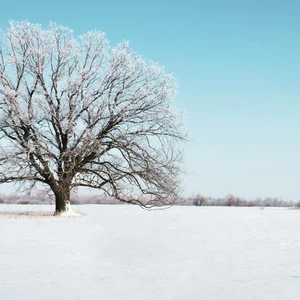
x=66, y=211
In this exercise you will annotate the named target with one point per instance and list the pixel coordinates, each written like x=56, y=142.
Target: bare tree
x=233, y=200
x=77, y=112
x=200, y=200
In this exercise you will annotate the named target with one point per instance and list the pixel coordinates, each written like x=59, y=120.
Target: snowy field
x=126, y=253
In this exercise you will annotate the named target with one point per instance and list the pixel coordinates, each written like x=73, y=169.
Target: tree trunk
x=62, y=200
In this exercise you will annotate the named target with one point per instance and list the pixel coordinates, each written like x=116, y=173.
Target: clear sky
x=238, y=68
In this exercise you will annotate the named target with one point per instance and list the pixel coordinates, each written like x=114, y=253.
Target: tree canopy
x=79, y=112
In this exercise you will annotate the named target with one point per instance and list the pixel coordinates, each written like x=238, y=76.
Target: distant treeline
x=232, y=200
x=40, y=197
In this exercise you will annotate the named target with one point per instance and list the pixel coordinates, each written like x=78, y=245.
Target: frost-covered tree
x=78, y=112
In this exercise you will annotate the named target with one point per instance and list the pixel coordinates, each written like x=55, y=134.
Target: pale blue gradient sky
x=238, y=68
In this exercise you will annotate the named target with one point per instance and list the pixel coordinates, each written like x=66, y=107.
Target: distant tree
x=268, y=201
x=257, y=202
x=77, y=112
x=231, y=200
x=199, y=200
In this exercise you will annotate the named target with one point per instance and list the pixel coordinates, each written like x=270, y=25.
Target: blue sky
x=238, y=68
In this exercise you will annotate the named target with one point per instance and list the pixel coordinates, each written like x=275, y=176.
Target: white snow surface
x=123, y=252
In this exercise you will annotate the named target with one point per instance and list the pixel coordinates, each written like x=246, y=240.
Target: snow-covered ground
x=124, y=252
